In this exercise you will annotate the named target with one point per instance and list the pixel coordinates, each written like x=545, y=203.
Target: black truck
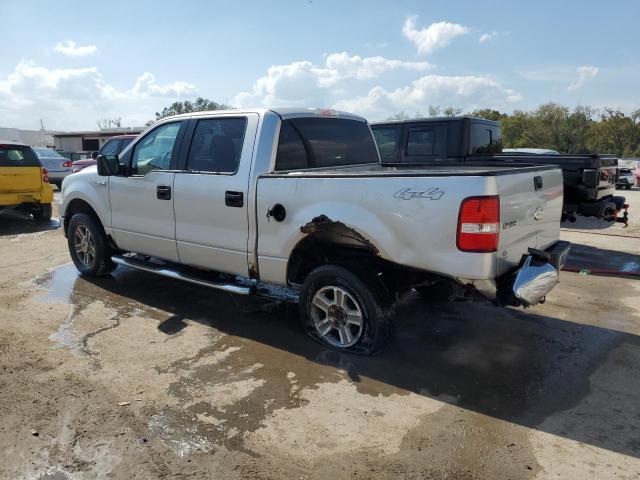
x=589, y=180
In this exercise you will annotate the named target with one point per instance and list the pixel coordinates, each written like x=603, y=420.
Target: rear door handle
x=163, y=192
x=233, y=199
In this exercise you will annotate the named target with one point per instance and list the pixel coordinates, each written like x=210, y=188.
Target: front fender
x=92, y=189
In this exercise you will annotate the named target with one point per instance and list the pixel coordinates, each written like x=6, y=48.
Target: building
x=82, y=144
x=33, y=138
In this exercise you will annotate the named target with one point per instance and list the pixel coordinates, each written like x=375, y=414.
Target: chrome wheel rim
x=84, y=245
x=337, y=316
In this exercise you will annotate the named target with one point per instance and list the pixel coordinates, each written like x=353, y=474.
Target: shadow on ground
x=510, y=364
x=601, y=260
x=16, y=223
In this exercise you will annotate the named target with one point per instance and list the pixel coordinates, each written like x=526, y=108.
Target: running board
x=167, y=272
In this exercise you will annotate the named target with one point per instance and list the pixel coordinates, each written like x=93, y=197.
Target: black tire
x=369, y=296
x=98, y=264
x=43, y=213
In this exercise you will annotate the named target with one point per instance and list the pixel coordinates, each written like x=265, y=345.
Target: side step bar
x=167, y=272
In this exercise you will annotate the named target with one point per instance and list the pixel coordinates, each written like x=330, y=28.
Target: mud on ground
x=135, y=376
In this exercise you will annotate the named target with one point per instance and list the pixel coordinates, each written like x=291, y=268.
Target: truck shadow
x=603, y=262
x=16, y=223
x=509, y=364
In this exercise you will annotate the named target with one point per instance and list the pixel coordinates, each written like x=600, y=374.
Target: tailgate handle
x=537, y=182
x=233, y=199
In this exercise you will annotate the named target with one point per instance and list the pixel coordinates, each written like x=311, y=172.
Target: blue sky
x=80, y=61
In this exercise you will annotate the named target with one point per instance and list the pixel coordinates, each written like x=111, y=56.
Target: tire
x=43, y=213
x=332, y=325
x=91, y=256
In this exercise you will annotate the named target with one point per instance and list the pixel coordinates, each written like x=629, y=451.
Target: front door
x=142, y=203
x=211, y=203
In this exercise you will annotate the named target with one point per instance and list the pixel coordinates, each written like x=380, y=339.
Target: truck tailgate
x=530, y=211
x=20, y=179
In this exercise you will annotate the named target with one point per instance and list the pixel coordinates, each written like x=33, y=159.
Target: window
x=47, y=153
x=324, y=142
x=485, y=139
x=112, y=147
x=420, y=142
x=17, y=156
x=387, y=140
x=155, y=150
x=90, y=144
x=217, y=145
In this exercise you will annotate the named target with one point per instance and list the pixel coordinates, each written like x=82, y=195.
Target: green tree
x=198, y=105
x=488, y=114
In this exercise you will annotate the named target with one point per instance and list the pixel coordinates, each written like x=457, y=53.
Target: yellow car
x=24, y=184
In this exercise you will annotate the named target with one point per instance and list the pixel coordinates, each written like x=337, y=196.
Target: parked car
x=58, y=167
x=113, y=146
x=626, y=178
x=243, y=199
x=24, y=182
x=589, y=180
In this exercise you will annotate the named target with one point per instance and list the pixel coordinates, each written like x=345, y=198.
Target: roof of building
x=110, y=132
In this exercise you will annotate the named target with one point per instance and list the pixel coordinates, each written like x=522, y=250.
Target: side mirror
x=94, y=155
x=108, y=165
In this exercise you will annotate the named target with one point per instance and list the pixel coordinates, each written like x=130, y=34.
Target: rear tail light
x=479, y=224
x=67, y=164
x=45, y=177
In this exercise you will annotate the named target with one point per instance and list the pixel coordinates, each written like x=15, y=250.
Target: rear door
x=530, y=211
x=211, y=205
x=424, y=143
x=20, y=169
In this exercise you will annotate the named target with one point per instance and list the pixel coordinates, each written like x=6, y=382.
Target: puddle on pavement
x=520, y=366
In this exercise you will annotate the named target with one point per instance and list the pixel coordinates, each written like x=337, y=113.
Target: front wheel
x=88, y=246
x=344, y=311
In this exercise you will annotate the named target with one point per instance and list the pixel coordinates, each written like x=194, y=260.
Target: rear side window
x=217, y=145
x=387, y=140
x=426, y=142
x=324, y=142
x=18, y=156
x=485, y=139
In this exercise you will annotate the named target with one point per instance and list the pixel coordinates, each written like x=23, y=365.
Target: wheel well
x=79, y=206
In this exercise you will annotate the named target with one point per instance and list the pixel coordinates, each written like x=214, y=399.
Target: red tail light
x=45, y=177
x=67, y=164
x=479, y=224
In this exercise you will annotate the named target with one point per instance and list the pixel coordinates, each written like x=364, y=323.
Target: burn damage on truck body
x=329, y=241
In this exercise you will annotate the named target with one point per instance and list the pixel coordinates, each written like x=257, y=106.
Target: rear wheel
x=344, y=311
x=88, y=246
x=42, y=213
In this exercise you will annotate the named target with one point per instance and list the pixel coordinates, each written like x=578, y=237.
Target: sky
x=71, y=63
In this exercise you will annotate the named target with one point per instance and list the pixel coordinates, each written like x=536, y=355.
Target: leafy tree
x=200, y=104
x=488, y=114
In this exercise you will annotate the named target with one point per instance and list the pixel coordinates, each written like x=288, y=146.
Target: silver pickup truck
x=244, y=200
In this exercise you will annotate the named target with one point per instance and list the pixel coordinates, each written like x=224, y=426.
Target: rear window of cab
x=18, y=156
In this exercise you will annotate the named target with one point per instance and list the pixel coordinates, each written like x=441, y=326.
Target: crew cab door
x=211, y=189
x=142, y=216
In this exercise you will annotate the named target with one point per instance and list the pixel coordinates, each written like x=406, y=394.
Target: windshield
x=17, y=156
x=47, y=152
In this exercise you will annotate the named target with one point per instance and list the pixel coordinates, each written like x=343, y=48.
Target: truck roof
x=436, y=119
x=283, y=113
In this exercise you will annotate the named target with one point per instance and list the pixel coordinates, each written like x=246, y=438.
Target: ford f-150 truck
x=589, y=180
x=244, y=200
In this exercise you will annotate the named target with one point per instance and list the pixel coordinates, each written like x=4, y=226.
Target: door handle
x=163, y=192
x=233, y=199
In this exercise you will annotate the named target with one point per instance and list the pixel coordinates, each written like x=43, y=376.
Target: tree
x=451, y=111
x=200, y=104
x=488, y=114
x=105, y=123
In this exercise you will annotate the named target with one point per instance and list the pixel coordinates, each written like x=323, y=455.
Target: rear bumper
x=537, y=275
x=41, y=196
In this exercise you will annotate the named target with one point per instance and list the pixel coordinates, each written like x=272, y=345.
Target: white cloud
x=71, y=98
x=585, y=72
x=467, y=92
x=435, y=36
x=303, y=83
x=70, y=49
x=485, y=37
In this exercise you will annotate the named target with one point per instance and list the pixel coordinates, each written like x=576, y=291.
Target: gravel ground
x=135, y=376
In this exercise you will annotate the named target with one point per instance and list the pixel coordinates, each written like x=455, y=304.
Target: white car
x=241, y=199
x=626, y=178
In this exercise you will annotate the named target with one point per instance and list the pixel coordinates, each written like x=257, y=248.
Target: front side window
x=155, y=150
x=217, y=145
x=387, y=140
x=326, y=142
